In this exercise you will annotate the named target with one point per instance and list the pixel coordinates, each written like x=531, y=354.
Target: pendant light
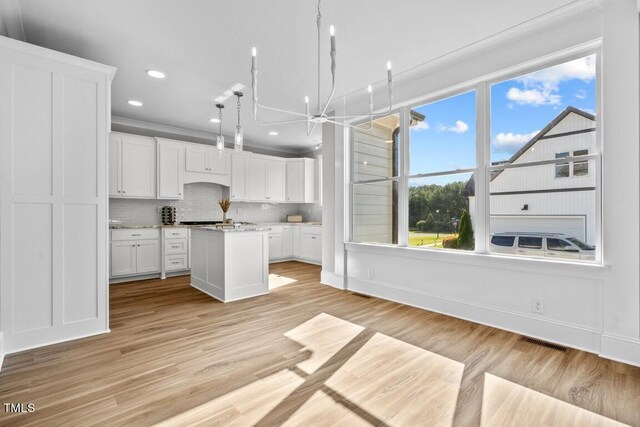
x=220, y=137
x=239, y=137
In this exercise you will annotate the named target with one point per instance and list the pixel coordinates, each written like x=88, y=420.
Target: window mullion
x=403, y=181
x=483, y=162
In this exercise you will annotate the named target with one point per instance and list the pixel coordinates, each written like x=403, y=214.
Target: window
x=580, y=168
x=506, y=241
x=510, y=161
x=442, y=151
x=541, y=122
x=530, y=242
x=562, y=169
x=375, y=181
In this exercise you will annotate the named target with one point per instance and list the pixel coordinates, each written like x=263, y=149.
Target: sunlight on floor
x=323, y=336
x=507, y=403
x=399, y=383
x=276, y=281
x=244, y=406
x=351, y=376
x=322, y=410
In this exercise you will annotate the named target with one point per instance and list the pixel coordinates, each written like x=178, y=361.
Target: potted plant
x=224, y=205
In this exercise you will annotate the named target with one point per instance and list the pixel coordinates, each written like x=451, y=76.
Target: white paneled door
x=53, y=196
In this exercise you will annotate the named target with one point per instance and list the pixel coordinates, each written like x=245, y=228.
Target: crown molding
x=191, y=135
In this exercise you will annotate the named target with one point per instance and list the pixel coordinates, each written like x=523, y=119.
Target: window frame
x=482, y=86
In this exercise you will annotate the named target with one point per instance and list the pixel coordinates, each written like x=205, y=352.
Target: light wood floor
x=306, y=354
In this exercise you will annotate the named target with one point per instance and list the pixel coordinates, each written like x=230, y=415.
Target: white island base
x=230, y=264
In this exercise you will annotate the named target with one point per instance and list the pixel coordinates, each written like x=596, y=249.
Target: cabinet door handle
x=123, y=191
x=179, y=194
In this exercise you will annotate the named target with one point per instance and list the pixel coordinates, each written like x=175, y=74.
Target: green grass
x=426, y=239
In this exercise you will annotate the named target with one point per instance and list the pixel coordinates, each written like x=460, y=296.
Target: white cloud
x=581, y=94
x=460, y=127
x=509, y=142
x=533, y=96
x=542, y=87
x=421, y=126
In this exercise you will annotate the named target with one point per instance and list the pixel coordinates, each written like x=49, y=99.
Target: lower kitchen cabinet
x=275, y=243
x=287, y=241
x=135, y=251
x=131, y=257
x=311, y=247
x=299, y=242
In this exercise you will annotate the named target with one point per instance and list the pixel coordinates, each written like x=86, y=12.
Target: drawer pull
x=136, y=234
x=175, y=262
x=175, y=234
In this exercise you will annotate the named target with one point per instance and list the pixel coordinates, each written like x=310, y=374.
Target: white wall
x=590, y=307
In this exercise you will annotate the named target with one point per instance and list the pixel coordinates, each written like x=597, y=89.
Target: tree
x=465, y=232
x=429, y=222
x=421, y=225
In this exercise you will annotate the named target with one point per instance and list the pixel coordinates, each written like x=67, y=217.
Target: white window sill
x=587, y=270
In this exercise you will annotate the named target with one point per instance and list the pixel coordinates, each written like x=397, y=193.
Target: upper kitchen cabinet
x=265, y=178
x=239, y=181
x=132, y=166
x=170, y=169
x=300, y=180
x=204, y=159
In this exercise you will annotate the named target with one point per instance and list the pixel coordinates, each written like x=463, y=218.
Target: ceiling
x=204, y=47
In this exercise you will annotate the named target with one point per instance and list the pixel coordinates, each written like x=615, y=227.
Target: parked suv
x=552, y=245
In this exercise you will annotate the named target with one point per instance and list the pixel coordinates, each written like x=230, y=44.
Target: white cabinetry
x=205, y=159
x=135, y=251
x=132, y=166
x=311, y=243
x=276, y=171
x=175, y=249
x=275, y=243
x=170, y=170
x=263, y=179
x=287, y=241
x=53, y=196
x=302, y=242
x=239, y=187
x=300, y=180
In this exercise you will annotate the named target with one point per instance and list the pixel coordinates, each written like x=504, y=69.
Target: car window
x=557, y=244
x=530, y=242
x=503, y=240
x=582, y=245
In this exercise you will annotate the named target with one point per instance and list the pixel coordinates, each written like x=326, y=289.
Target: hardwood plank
x=306, y=354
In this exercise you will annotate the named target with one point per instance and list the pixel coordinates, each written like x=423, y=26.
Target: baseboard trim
x=331, y=279
x=620, y=349
x=58, y=341
x=1, y=351
x=574, y=336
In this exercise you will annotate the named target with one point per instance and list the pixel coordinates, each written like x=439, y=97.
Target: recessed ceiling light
x=135, y=103
x=156, y=74
x=273, y=133
x=215, y=120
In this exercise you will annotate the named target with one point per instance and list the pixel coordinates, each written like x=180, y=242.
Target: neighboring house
x=557, y=198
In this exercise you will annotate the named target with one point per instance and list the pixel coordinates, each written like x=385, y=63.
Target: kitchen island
x=230, y=263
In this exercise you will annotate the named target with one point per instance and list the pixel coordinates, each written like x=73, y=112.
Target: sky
x=520, y=107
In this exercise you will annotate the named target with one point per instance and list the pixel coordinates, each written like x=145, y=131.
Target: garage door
x=572, y=226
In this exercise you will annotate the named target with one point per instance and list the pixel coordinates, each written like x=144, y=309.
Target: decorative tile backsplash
x=201, y=203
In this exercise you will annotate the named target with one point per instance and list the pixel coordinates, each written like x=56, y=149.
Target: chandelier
x=319, y=114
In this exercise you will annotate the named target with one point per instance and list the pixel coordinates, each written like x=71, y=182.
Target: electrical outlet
x=159, y=209
x=370, y=273
x=239, y=210
x=537, y=305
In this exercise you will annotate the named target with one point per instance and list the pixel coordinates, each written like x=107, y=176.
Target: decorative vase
x=224, y=217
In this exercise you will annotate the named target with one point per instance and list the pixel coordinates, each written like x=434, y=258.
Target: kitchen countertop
x=265, y=224
x=236, y=230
